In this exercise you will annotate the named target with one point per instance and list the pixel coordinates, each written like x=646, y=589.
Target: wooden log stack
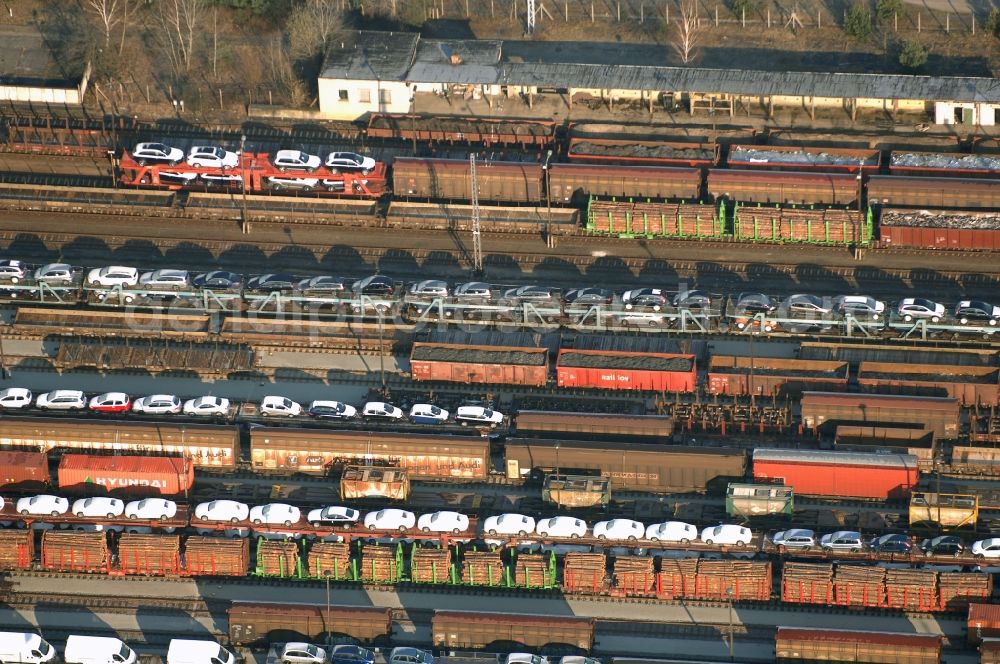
x=958, y=589
x=531, y=570
x=17, y=548
x=430, y=565
x=912, y=589
x=634, y=576
x=482, y=568
x=807, y=583
x=380, y=564
x=678, y=578
x=329, y=559
x=734, y=579
x=68, y=551
x=216, y=556
x=856, y=585
x=585, y=573
x=149, y=555
x=277, y=558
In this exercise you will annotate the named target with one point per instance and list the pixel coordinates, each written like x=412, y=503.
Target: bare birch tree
x=687, y=31
x=109, y=14
x=181, y=24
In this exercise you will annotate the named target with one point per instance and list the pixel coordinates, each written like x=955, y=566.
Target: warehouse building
x=383, y=72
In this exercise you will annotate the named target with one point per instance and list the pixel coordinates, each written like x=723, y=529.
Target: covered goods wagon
x=480, y=631
x=450, y=179
x=953, y=193
x=620, y=370
x=838, y=474
x=766, y=376
x=423, y=456
x=207, y=445
x=572, y=183
x=814, y=645
x=783, y=187
x=940, y=229
x=804, y=158
x=825, y=410
x=630, y=466
x=970, y=385
x=126, y=475
x=253, y=623
x=495, y=365
x=591, y=426
x=23, y=471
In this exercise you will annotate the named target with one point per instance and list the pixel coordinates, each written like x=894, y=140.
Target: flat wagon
x=838, y=474
x=933, y=192
x=814, y=645
x=826, y=410
x=783, y=187
x=576, y=182
x=423, y=456
x=559, y=424
x=207, y=445
x=630, y=466
x=253, y=623
x=449, y=179
x=499, y=631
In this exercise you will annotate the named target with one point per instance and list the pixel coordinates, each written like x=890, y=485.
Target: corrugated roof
x=395, y=56
x=372, y=56
x=836, y=458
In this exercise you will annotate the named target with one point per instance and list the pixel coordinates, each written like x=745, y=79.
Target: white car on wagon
x=619, y=529
x=562, y=526
x=443, y=522
x=158, y=404
x=390, y=519
x=727, y=533
x=99, y=506
x=275, y=514
x=14, y=398
x=222, y=510
x=672, y=531
x=509, y=524
x=478, y=415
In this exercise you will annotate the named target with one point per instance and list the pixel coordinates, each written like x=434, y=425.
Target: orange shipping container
x=24, y=470
x=132, y=475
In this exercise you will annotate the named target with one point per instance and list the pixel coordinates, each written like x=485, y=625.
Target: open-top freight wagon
x=501, y=631
x=257, y=623
x=804, y=158
x=792, y=645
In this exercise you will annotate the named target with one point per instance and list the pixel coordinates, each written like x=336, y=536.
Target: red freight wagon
x=25, y=471
x=494, y=365
x=841, y=474
x=133, y=475
x=618, y=370
x=984, y=622
x=793, y=644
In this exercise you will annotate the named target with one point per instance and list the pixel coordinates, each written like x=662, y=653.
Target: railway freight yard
x=499, y=374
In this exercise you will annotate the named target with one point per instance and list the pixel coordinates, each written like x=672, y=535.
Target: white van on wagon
x=24, y=648
x=97, y=650
x=186, y=651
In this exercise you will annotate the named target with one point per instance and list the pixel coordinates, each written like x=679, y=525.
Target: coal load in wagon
x=17, y=548
x=585, y=572
x=216, y=556
x=807, y=583
x=430, y=565
x=634, y=575
x=476, y=355
x=959, y=589
x=149, y=555
x=985, y=221
x=986, y=379
x=380, y=564
x=531, y=570
x=911, y=589
x=640, y=362
x=74, y=552
x=277, y=558
x=482, y=568
x=857, y=585
x=329, y=559
x=643, y=151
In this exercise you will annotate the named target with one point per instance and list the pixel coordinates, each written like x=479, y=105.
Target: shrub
x=886, y=9
x=912, y=55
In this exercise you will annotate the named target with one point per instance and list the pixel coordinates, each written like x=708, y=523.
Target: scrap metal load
x=940, y=229
x=942, y=163
x=776, y=157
